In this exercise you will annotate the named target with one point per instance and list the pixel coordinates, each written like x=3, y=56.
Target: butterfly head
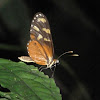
x=56, y=61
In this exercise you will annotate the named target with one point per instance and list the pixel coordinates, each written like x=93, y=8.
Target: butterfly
x=40, y=47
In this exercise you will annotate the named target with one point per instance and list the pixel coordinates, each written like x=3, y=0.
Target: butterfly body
x=40, y=47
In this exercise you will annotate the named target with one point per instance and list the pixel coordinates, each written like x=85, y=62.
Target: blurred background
x=73, y=26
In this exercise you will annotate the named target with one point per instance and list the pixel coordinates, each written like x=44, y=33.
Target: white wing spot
x=31, y=25
x=28, y=43
x=36, y=15
x=31, y=30
x=32, y=20
x=40, y=14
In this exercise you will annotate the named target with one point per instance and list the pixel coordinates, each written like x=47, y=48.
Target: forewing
x=40, y=31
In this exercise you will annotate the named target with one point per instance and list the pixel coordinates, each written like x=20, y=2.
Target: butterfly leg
x=53, y=70
x=42, y=68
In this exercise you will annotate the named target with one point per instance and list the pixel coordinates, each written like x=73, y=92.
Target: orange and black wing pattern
x=40, y=47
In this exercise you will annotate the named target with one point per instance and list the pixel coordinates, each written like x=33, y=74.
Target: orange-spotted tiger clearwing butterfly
x=40, y=47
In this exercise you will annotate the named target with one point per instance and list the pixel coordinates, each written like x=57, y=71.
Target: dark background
x=73, y=25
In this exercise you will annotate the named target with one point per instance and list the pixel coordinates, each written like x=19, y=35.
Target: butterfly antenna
x=70, y=52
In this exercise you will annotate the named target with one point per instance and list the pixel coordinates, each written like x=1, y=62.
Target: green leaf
x=25, y=82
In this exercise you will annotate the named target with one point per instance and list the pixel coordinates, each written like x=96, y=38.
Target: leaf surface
x=25, y=82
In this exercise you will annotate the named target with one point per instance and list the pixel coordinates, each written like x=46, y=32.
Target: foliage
x=25, y=82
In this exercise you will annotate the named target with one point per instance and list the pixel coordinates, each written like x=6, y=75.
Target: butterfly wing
x=40, y=32
x=25, y=59
x=36, y=52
